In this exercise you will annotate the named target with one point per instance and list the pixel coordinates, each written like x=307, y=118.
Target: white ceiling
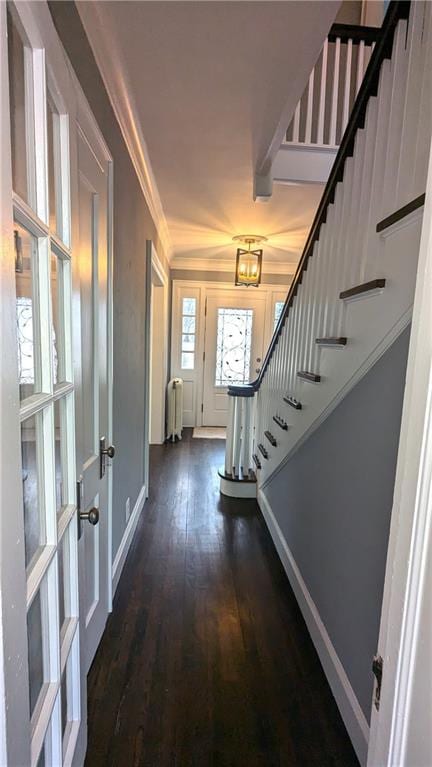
x=209, y=85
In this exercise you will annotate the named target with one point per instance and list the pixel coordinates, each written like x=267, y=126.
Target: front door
x=233, y=348
x=92, y=395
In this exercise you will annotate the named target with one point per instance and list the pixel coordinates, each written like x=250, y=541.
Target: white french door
x=234, y=342
x=55, y=394
x=39, y=550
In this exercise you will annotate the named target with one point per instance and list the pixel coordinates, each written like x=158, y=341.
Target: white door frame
x=407, y=591
x=159, y=353
x=154, y=271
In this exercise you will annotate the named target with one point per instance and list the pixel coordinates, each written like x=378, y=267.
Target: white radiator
x=175, y=408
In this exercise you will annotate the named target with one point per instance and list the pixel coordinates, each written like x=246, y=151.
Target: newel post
x=237, y=479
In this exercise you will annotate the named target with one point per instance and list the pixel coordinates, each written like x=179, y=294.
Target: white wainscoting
x=126, y=541
x=349, y=707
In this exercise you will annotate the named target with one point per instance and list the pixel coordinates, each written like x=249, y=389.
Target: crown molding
x=227, y=265
x=110, y=63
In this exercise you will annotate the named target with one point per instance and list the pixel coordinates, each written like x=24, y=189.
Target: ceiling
x=207, y=87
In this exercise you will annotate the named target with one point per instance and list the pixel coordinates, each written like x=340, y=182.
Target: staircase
x=353, y=291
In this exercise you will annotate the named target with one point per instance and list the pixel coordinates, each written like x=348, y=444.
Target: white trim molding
x=157, y=267
x=122, y=551
x=349, y=707
x=111, y=66
x=193, y=263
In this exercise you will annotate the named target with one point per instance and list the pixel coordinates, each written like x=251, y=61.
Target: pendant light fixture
x=249, y=261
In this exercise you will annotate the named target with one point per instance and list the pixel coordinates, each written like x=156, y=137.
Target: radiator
x=175, y=409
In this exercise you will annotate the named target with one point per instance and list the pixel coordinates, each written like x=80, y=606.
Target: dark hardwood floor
x=206, y=659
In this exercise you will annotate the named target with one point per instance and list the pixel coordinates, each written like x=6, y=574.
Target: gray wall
x=349, y=12
x=132, y=226
x=333, y=503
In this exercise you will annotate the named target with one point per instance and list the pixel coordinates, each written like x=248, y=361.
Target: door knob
x=109, y=451
x=104, y=453
x=91, y=516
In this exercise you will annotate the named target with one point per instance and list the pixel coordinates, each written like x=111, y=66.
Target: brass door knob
x=91, y=516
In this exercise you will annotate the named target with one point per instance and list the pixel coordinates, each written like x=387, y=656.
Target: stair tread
x=365, y=287
x=308, y=376
x=263, y=451
x=248, y=477
x=280, y=422
x=270, y=438
x=332, y=341
x=293, y=402
x=256, y=461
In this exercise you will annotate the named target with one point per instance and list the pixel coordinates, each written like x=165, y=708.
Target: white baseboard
x=126, y=541
x=349, y=707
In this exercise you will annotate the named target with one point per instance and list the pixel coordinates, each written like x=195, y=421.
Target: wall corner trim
x=349, y=707
x=120, y=557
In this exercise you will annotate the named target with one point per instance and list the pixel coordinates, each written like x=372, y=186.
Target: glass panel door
x=41, y=265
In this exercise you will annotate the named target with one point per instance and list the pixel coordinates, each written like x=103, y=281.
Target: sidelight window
x=188, y=343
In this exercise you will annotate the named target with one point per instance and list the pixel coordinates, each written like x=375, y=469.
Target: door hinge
x=377, y=668
x=203, y=356
x=205, y=308
x=202, y=407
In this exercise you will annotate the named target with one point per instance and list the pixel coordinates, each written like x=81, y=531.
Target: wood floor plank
x=206, y=660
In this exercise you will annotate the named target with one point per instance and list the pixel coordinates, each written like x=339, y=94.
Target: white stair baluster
x=335, y=93
x=322, y=96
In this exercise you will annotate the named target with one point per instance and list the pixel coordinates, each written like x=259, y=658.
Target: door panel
x=234, y=338
x=93, y=200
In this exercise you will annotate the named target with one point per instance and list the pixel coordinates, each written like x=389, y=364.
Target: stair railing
x=322, y=114
x=248, y=435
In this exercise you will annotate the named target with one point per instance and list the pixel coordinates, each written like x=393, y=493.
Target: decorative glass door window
x=188, y=333
x=233, y=346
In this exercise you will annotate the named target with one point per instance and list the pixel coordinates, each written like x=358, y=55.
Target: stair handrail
x=397, y=10
x=356, y=32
